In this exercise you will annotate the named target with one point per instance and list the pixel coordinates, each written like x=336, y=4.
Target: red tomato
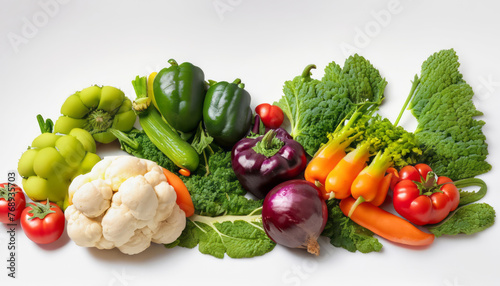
x=42, y=223
x=422, y=200
x=12, y=202
x=271, y=115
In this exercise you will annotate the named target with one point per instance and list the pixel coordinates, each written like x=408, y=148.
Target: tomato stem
x=39, y=210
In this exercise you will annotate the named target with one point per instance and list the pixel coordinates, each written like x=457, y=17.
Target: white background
x=50, y=49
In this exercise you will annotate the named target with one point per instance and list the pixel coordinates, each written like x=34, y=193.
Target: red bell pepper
x=422, y=199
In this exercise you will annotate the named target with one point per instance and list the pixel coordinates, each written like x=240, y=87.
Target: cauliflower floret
x=166, y=200
x=118, y=224
x=124, y=167
x=124, y=202
x=170, y=229
x=136, y=244
x=83, y=231
x=93, y=198
x=139, y=197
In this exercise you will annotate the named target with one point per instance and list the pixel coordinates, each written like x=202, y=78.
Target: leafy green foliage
x=315, y=108
x=399, y=144
x=138, y=144
x=226, y=222
x=345, y=233
x=453, y=142
x=438, y=72
x=361, y=79
x=236, y=236
x=468, y=219
x=219, y=192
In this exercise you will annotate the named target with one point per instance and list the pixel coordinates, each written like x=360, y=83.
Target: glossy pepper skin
x=226, y=112
x=179, y=91
x=283, y=159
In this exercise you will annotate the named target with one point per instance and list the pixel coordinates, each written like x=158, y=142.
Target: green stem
x=359, y=201
x=46, y=126
x=416, y=81
x=40, y=210
x=470, y=197
x=306, y=74
x=173, y=62
x=122, y=136
x=142, y=102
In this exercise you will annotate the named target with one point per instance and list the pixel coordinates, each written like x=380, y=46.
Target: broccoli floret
x=438, y=72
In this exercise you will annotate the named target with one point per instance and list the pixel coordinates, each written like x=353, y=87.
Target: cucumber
x=167, y=140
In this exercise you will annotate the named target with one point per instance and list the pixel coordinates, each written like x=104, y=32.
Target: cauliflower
x=126, y=203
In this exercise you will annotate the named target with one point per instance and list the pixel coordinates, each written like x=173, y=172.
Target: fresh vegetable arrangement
x=198, y=173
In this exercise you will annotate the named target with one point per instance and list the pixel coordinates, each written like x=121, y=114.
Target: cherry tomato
x=42, y=223
x=12, y=202
x=271, y=115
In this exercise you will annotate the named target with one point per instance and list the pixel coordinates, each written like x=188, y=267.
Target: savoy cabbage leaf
x=316, y=107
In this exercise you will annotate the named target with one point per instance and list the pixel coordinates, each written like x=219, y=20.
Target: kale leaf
x=439, y=71
x=316, y=107
x=451, y=137
x=225, y=221
x=345, y=233
x=467, y=219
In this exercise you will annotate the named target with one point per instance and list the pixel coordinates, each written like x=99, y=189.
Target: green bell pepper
x=179, y=91
x=226, y=112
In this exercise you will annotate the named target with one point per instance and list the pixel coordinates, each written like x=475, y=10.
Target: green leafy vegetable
x=315, y=108
x=219, y=192
x=467, y=219
x=439, y=71
x=362, y=80
x=225, y=220
x=400, y=145
x=236, y=236
x=453, y=142
x=345, y=233
x=138, y=144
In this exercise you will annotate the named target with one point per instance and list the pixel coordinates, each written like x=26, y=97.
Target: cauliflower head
x=124, y=202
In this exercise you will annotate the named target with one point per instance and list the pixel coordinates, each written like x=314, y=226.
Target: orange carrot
x=386, y=224
x=368, y=185
x=326, y=158
x=339, y=180
x=383, y=190
x=183, y=197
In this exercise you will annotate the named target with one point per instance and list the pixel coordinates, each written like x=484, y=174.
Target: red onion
x=294, y=215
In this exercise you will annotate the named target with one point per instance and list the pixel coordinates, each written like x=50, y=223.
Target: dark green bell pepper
x=226, y=112
x=179, y=91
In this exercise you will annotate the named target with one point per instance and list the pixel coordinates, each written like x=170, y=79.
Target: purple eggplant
x=263, y=162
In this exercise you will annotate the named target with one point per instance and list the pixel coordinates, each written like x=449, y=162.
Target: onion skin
x=294, y=214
